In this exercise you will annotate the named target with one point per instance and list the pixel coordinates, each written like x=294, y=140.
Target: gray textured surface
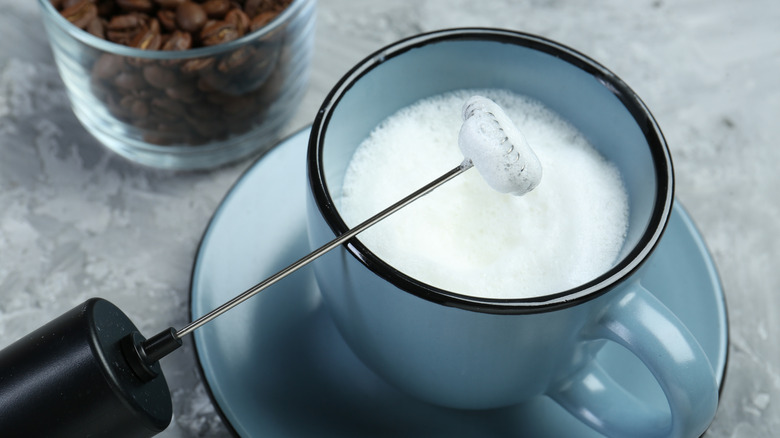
x=77, y=221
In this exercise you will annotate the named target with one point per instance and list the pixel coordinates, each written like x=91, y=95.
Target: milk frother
x=90, y=372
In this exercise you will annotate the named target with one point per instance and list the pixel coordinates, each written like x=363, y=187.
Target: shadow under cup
x=470, y=352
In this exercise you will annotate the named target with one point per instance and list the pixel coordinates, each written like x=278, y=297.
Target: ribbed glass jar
x=187, y=109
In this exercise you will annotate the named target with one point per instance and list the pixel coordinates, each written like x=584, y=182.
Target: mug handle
x=638, y=321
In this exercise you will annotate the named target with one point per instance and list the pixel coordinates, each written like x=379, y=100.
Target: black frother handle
x=71, y=378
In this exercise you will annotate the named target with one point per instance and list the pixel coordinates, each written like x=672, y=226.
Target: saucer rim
x=677, y=205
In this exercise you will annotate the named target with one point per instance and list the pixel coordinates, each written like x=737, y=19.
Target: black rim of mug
x=585, y=292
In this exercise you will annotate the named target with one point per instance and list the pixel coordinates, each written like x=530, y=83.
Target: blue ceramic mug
x=477, y=353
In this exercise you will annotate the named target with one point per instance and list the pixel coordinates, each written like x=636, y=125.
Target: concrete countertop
x=77, y=221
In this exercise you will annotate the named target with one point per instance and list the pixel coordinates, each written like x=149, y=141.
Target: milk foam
x=468, y=238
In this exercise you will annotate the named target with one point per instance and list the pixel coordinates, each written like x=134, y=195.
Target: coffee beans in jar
x=186, y=100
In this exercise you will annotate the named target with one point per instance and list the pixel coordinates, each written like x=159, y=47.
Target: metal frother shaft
x=91, y=373
x=464, y=166
x=143, y=353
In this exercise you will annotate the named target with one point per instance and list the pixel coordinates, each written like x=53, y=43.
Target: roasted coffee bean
x=122, y=29
x=159, y=77
x=128, y=21
x=216, y=8
x=121, y=37
x=262, y=65
x=196, y=65
x=219, y=32
x=167, y=19
x=107, y=66
x=190, y=16
x=254, y=7
x=178, y=40
x=129, y=81
x=147, y=39
x=135, y=107
x=240, y=19
x=261, y=20
x=213, y=83
x=235, y=61
x=154, y=25
x=135, y=5
x=186, y=93
x=169, y=4
x=81, y=13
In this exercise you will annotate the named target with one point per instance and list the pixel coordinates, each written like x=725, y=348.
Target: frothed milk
x=466, y=237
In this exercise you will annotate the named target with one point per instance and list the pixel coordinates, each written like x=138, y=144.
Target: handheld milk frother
x=92, y=373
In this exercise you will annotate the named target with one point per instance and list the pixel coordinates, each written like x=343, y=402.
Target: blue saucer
x=276, y=365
